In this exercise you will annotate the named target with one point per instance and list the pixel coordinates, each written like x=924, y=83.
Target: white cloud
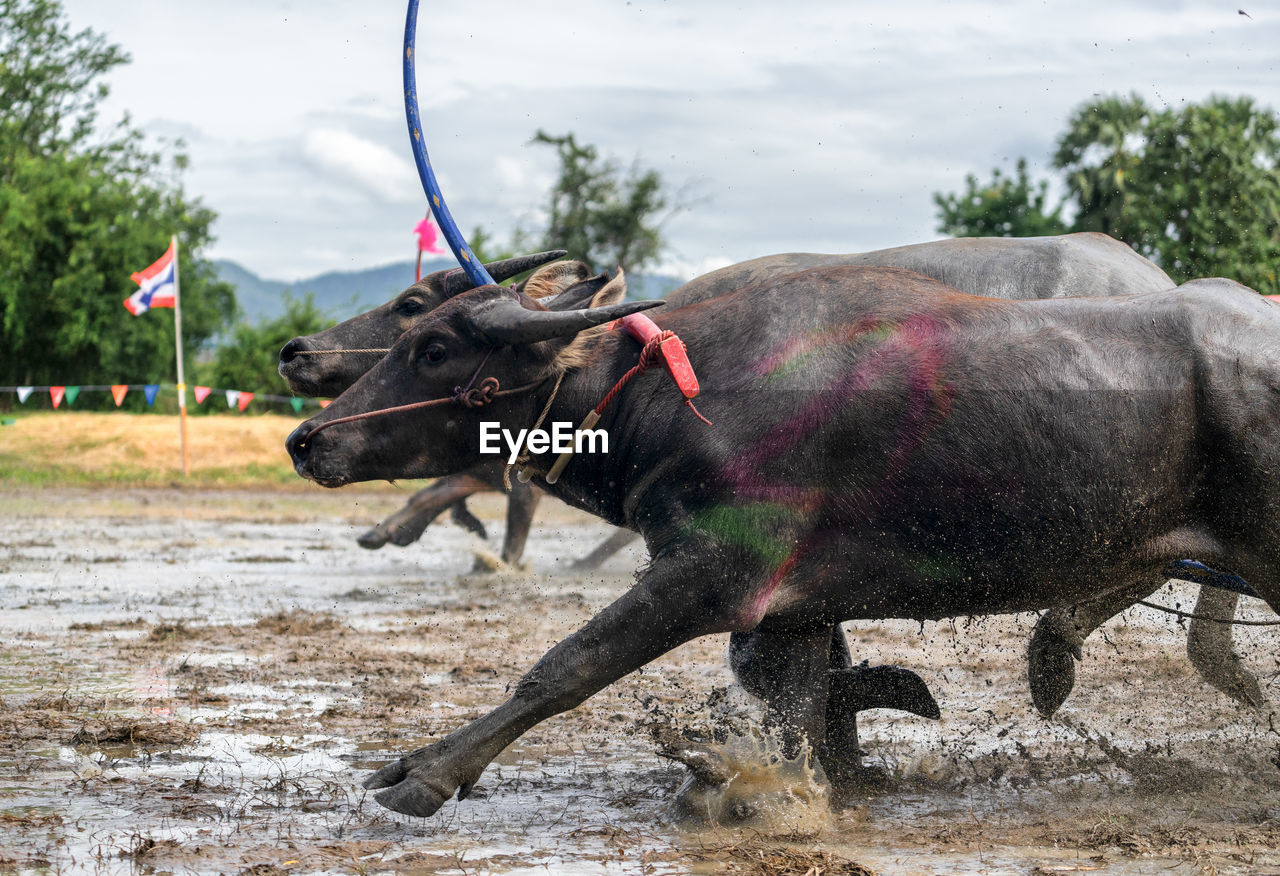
x=817, y=125
x=371, y=166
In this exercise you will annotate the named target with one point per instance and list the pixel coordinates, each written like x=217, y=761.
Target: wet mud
x=196, y=682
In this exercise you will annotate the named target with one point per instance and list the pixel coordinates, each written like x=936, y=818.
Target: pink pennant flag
x=245, y=398
x=56, y=393
x=324, y=402
x=201, y=393
x=428, y=236
x=118, y=391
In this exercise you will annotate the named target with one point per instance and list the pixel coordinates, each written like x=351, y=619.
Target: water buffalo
x=1072, y=265
x=1034, y=267
x=892, y=448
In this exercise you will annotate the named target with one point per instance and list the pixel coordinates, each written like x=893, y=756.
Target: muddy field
x=196, y=682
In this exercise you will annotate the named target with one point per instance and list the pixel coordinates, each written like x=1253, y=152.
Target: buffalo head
x=490, y=332
x=328, y=375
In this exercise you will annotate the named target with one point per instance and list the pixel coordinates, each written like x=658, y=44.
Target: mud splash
x=747, y=781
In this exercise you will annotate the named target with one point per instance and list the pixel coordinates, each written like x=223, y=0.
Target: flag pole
x=182, y=384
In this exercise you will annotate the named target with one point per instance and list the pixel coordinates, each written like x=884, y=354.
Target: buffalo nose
x=292, y=349
x=296, y=444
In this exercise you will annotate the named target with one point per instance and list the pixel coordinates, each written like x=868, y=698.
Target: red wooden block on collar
x=643, y=329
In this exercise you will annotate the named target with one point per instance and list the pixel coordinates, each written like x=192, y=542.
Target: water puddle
x=204, y=693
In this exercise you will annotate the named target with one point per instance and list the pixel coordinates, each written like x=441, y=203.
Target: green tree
x=600, y=213
x=80, y=211
x=1196, y=189
x=1099, y=155
x=1204, y=199
x=1004, y=207
x=247, y=359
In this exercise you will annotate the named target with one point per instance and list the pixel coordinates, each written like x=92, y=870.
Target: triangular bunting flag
x=72, y=392
x=24, y=393
x=118, y=392
x=201, y=393
x=151, y=389
x=232, y=397
x=56, y=393
x=296, y=404
x=325, y=402
x=245, y=398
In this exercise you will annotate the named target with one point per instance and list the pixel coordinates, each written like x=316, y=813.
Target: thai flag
x=158, y=284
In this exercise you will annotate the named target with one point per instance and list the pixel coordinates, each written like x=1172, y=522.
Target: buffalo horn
x=503, y=269
x=508, y=323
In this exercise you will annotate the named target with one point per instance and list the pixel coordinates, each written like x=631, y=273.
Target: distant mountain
x=343, y=294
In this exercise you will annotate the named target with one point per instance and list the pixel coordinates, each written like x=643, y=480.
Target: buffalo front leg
x=407, y=525
x=795, y=669
x=688, y=592
x=754, y=656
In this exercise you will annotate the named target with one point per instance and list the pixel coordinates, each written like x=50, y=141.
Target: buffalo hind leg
x=692, y=590
x=407, y=525
x=522, y=501
x=604, y=550
x=1058, y=642
x=1060, y=633
x=1209, y=647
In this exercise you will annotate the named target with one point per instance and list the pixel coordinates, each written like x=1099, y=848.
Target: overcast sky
x=799, y=125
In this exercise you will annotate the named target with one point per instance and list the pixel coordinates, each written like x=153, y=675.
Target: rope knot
x=477, y=396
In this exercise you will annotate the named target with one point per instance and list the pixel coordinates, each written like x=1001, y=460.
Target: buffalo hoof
x=462, y=516
x=879, y=687
x=403, y=535
x=373, y=539
x=402, y=788
x=1230, y=677
x=411, y=797
x=1051, y=668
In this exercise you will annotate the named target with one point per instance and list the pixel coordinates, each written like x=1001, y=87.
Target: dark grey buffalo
x=884, y=446
x=1072, y=265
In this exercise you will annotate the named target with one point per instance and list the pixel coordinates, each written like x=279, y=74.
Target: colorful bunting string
x=235, y=398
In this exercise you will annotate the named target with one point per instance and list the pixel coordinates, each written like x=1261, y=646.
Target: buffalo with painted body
x=1072, y=265
x=892, y=448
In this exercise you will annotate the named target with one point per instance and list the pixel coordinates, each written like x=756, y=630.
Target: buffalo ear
x=613, y=292
x=554, y=279
x=606, y=297
x=596, y=292
x=577, y=297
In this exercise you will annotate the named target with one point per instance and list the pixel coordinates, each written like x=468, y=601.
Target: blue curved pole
x=461, y=251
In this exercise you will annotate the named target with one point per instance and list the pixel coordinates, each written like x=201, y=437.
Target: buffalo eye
x=433, y=353
x=411, y=306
